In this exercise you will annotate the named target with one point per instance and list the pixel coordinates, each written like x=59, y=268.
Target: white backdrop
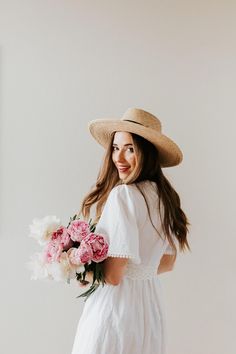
x=64, y=63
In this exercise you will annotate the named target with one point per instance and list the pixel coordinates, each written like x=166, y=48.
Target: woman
x=139, y=212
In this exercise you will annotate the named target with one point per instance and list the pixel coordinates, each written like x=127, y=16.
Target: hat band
x=132, y=121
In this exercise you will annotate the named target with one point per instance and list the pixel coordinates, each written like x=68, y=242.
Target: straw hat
x=142, y=123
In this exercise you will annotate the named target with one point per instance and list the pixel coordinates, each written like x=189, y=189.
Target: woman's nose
x=120, y=156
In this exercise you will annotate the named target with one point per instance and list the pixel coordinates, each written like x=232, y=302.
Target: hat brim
x=169, y=152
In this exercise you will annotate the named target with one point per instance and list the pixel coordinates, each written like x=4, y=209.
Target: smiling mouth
x=123, y=169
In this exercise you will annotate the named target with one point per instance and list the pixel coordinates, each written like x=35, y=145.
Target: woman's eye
x=115, y=148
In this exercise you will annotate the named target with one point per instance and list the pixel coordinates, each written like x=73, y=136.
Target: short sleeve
x=119, y=224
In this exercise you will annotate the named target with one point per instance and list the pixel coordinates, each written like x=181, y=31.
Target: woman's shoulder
x=131, y=191
x=123, y=191
x=123, y=188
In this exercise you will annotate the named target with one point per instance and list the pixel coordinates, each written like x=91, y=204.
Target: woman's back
x=126, y=212
x=128, y=318
x=151, y=243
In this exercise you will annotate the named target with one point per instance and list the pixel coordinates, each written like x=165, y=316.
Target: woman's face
x=123, y=154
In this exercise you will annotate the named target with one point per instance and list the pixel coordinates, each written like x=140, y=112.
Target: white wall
x=64, y=63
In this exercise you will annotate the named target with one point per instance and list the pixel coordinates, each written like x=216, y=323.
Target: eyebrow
x=124, y=144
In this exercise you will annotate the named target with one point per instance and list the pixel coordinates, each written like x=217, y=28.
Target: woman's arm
x=166, y=264
x=114, y=267
x=113, y=270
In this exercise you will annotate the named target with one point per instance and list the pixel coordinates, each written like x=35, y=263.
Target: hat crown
x=142, y=117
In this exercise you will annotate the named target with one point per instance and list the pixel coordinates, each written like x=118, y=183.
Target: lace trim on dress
x=134, y=259
x=120, y=255
x=141, y=271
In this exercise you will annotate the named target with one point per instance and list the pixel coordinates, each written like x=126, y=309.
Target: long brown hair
x=174, y=220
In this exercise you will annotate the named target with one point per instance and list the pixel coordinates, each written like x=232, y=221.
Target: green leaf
x=89, y=291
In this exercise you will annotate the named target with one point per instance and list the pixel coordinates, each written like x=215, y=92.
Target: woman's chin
x=123, y=175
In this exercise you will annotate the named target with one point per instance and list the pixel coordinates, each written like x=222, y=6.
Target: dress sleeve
x=119, y=224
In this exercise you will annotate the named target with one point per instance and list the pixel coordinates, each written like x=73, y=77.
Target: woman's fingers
x=83, y=283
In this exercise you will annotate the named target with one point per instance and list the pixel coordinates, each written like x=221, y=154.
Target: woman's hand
x=88, y=280
x=166, y=263
x=82, y=283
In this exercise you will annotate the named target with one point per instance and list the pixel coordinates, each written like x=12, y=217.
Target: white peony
x=42, y=229
x=38, y=267
x=62, y=270
x=80, y=268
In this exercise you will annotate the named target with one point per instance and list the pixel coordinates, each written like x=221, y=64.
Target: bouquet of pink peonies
x=68, y=252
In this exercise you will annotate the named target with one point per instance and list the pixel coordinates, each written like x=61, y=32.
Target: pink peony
x=74, y=256
x=78, y=230
x=85, y=252
x=62, y=236
x=98, y=245
x=53, y=251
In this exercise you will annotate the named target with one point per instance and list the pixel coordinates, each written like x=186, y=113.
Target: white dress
x=128, y=318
